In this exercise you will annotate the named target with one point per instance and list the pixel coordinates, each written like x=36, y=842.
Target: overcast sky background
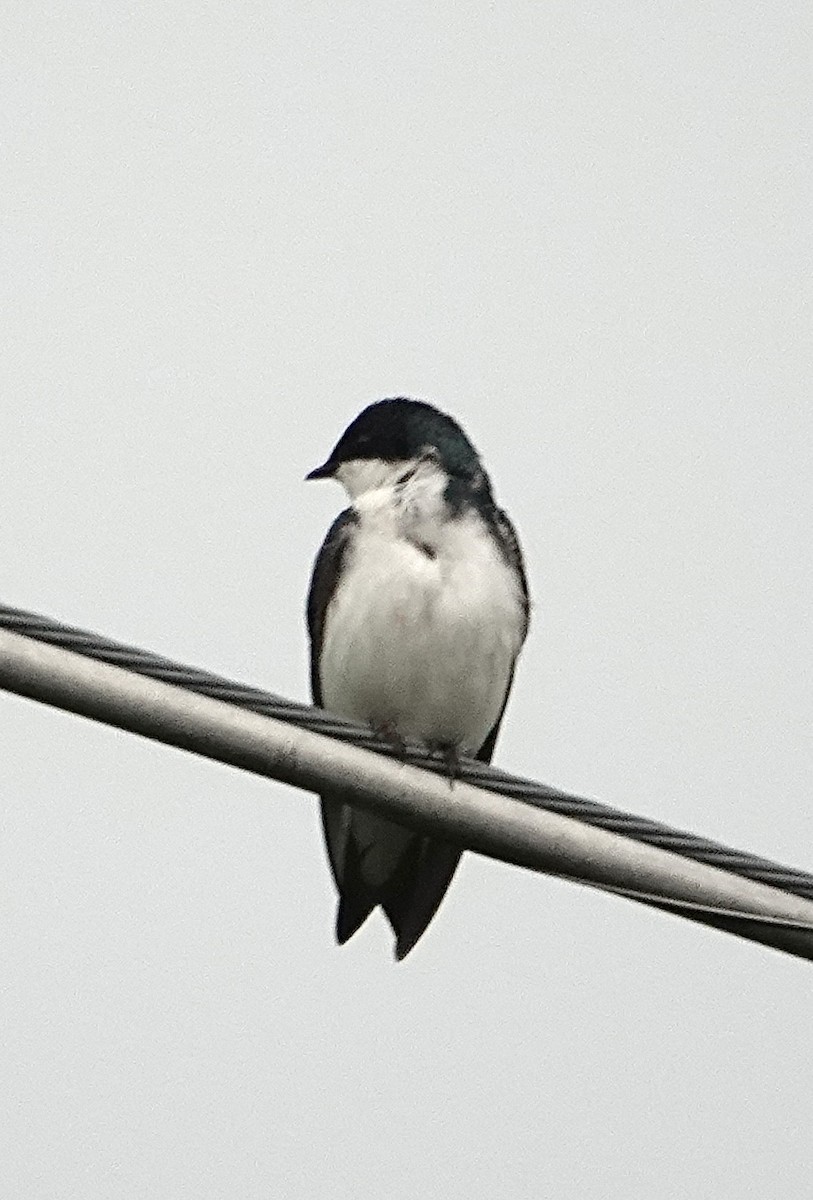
x=585, y=231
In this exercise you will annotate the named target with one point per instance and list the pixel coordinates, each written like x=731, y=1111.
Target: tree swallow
x=417, y=610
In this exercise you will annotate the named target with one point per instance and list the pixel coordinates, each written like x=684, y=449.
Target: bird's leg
x=450, y=754
x=387, y=731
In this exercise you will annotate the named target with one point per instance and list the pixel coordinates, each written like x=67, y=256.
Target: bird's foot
x=387, y=731
x=449, y=753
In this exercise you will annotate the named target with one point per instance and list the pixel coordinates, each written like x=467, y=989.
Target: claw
x=450, y=754
x=386, y=731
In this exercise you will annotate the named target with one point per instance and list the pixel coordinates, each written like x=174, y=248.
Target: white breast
x=422, y=641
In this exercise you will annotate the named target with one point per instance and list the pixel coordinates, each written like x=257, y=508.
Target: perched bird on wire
x=417, y=610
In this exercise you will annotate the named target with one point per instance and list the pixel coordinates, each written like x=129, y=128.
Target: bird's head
x=391, y=438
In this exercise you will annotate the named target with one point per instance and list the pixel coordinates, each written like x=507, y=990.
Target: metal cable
x=538, y=795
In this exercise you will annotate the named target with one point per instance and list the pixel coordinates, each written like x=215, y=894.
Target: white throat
x=362, y=475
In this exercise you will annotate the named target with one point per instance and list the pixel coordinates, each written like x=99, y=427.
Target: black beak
x=324, y=472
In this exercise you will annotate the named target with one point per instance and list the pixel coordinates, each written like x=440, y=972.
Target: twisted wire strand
x=529, y=791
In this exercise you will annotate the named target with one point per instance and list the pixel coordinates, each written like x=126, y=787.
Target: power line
x=526, y=823
x=480, y=774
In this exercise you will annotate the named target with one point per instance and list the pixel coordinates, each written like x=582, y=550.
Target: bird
x=417, y=610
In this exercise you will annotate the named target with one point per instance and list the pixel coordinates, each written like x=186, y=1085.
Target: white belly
x=423, y=644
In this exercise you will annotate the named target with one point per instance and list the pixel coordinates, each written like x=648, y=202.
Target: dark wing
x=355, y=902
x=513, y=554
x=335, y=815
x=432, y=864
x=323, y=583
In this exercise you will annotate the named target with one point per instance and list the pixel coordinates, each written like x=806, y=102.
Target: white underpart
x=422, y=643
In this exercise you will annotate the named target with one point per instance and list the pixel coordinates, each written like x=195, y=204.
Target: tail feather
x=351, y=915
x=410, y=908
x=377, y=862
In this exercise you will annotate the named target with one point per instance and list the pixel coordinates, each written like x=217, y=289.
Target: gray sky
x=586, y=233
